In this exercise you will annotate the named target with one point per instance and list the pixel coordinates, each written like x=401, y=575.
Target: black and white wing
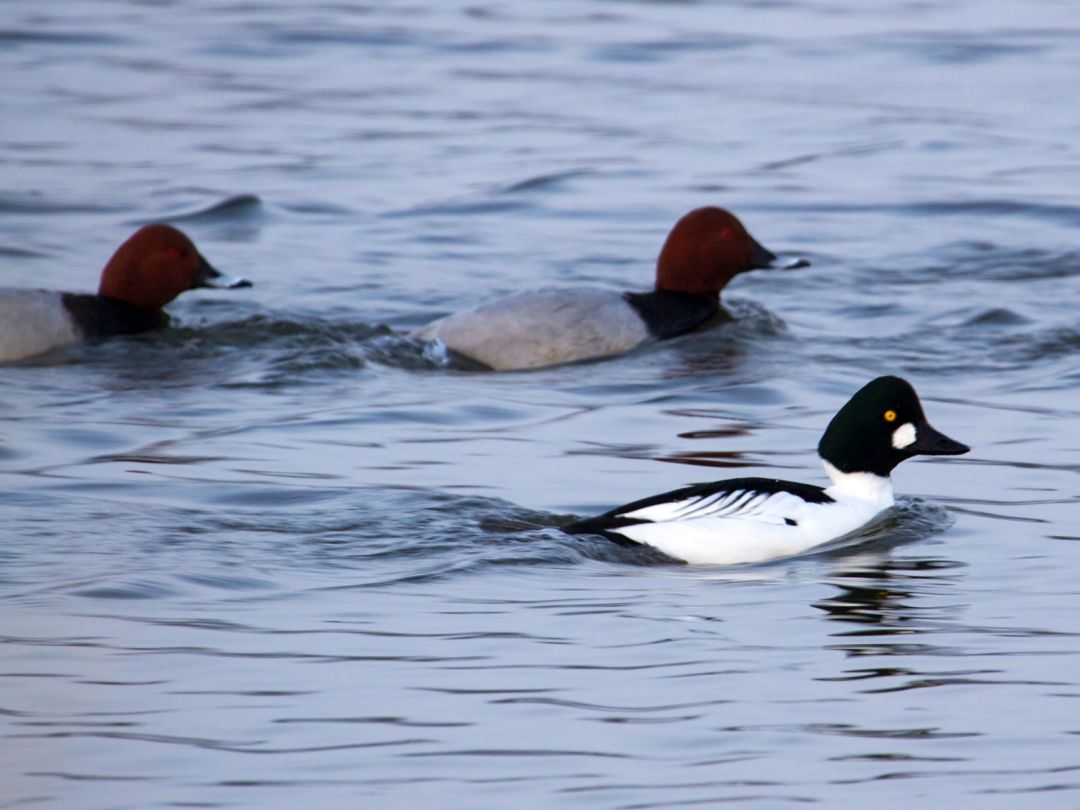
x=756, y=500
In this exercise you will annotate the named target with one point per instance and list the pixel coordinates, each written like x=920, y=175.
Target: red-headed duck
x=705, y=249
x=156, y=264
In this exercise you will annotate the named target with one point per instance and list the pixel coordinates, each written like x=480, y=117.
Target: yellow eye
x=890, y=416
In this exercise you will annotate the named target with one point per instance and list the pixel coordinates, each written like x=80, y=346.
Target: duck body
x=148, y=271
x=33, y=322
x=742, y=520
x=37, y=321
x=553, y=325
x=747, y=520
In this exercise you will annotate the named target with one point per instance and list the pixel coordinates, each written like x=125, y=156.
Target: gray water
x=277, y=556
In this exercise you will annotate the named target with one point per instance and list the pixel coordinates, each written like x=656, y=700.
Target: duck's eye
x=890, y=415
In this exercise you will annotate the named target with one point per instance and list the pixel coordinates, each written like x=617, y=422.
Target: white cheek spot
x=903, y=436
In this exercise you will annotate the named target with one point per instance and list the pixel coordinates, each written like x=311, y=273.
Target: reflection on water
x=887, y=594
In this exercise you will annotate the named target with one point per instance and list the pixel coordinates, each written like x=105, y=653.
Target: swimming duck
x=744, y=520
x=705, y=249
x=156, y=264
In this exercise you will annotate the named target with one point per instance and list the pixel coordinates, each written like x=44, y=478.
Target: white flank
x=731, y=528
x=903, y=436
x=32, y=322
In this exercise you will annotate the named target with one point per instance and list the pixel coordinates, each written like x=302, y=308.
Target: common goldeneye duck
x=156, y=264
x=703, y=252
x=745, y=520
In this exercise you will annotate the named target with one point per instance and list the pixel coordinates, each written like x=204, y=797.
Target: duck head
x=880, y=426
x=156, y=264
x=705, y=250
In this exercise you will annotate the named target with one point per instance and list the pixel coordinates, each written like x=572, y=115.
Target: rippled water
x=279, y=556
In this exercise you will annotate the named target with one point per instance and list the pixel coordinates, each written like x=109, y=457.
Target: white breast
x=541, y=328
x=32, y=322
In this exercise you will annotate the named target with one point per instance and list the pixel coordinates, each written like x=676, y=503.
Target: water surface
x=279, y=554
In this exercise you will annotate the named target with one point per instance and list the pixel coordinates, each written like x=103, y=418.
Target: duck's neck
x=99, y=315
x=863, y=486
x=668, y=314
